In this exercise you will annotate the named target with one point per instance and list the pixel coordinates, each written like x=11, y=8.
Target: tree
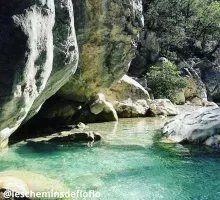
x=184, y=27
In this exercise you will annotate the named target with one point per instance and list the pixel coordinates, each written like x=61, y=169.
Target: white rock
x=196, y=127
x=126, y=88
x=130, y=109
x=103, y=107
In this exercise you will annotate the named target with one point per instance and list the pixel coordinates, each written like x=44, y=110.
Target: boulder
x=38, y=53
x=196, y=101
x=126, y=88
x=28, y=181
x=200, y=126
x=163, y=107
x=195, y=89
x=98, y=105
x=129, y=109
x=109, y=114
x=103, y=109
x=105, y=33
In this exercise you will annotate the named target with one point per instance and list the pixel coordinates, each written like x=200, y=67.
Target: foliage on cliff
x=165, y=80
x=184, y=28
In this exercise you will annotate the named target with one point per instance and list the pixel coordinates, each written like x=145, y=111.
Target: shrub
x=165, y=81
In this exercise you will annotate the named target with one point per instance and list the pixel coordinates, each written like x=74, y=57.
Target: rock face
x=147, y=53
x=38, y=53
x=195, y=92
x=211, y=78
x=200, y=126
x=163, y=107
x=105, y=32
x=196, y=89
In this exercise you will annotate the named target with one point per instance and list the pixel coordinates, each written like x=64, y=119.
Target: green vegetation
x=184, y=28
x=165, y=81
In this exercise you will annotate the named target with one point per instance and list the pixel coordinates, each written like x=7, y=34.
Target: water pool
x=129, y=164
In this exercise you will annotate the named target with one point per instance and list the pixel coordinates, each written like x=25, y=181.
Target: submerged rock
x=88, y=182
x=38, y=53
x=68, y=136
x=163, y=107
x=200, y=126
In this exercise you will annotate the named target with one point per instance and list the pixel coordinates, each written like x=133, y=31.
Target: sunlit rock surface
x=126, y=88
x=200, y=126
x=163, y=107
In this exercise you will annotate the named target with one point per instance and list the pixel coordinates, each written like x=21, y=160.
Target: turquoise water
x=129, y=164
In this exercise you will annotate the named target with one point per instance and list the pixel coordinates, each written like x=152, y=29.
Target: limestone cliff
x=38, y=53
x=106, y=31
